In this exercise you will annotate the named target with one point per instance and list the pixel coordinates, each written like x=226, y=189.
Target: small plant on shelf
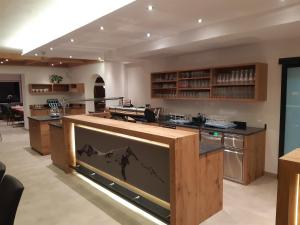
x=55, y=79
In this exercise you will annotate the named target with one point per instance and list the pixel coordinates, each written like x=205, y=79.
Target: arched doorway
x=99, y=92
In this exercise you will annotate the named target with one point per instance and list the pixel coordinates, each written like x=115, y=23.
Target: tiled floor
x=54, y=198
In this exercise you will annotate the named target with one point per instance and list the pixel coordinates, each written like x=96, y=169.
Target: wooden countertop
x=293, y=156
x=135, y=129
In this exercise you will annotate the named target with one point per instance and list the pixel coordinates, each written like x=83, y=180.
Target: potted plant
x=56, y=79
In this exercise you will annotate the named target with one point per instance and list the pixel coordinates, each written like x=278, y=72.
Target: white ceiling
x=172, y=24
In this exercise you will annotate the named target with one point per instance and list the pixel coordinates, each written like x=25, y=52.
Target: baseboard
x=274, y=175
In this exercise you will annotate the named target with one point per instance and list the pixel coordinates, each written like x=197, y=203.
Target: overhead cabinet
x=50, y=89
x=247, y=82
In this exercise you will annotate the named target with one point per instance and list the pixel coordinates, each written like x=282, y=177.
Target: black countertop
x=208, y=148
x=44, y=118
x=246, y=132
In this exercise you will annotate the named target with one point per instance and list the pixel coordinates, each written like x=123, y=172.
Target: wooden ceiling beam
x=18, y=59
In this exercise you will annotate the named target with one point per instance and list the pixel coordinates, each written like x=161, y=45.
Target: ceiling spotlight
x=148, y=35
x=150, y=7
x=72, y=40
x=60, y=63
x=51, y=49
x=52, y=64
x=101, y=28
x=6, y=60
x=36, y=54
x=1, y=62
x=200, y=20
x=70, y=57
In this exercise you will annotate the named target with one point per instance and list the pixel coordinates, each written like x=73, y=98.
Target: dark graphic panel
x=142, y=165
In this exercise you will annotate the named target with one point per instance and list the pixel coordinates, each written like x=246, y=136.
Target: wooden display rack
x=52, y=89
x=245, y=82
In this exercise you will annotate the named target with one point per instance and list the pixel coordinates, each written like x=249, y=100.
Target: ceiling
x=173, y=25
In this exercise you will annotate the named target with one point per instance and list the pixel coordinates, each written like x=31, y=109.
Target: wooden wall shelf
x=246, y=83
x=56, y=89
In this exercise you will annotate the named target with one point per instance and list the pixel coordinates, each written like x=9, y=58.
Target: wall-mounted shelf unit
x=247, y=82
x=53, y=89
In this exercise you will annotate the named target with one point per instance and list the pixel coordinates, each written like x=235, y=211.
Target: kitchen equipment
x=211, y=137
x=200, y=119
x=234, y=157
x=54, y=107
x=223, y=124
x=240, y=125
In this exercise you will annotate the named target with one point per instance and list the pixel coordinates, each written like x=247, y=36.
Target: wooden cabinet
x=254, y=157
x=57, y=147
x=39, y=112
x=246, y=82
x=39, y=136
x=69, y=111
x=50, y=89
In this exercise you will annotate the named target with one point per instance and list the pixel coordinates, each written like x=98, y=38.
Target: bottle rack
x=247, y=82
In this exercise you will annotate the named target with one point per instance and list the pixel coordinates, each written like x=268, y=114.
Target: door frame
x=286, y=63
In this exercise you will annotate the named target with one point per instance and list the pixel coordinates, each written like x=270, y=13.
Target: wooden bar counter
x=288, y=196
x=189, y=184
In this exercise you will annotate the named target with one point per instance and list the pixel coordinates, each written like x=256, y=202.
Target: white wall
x=138, y=87
x=112, y=74
x=33, y=75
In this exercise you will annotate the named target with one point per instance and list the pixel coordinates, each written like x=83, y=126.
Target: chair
x=6, y=110
x=10, y=194
x=2, y=171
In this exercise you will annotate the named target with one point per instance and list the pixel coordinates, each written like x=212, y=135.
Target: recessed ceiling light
x=60, y=63
x=51, y=49
x=101, y=28
x=1, y=62
x=72, y=40
x=6, y=60
x=52, y=64
x=200, y=20
x=70, y=57
x=36, y=54
x=148, y=35
x=150, y=7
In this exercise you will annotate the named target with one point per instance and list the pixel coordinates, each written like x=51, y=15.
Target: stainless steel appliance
x=234, y=157
x=233, y=153
x=211, y=137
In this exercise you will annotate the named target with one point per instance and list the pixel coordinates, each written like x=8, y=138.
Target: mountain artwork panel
x=140, y=164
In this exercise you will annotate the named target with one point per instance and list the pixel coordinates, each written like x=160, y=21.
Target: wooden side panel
x=188, y=129
x=39, y=136
x=57, y=148
x=288, y=183
x=261, y=82
x=210, y=177
x=254, y=157
x=184, y=182
x=35, y=135
x=69, y=145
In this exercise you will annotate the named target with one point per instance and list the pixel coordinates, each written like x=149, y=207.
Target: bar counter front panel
x=159, y=164
x=135, y=164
